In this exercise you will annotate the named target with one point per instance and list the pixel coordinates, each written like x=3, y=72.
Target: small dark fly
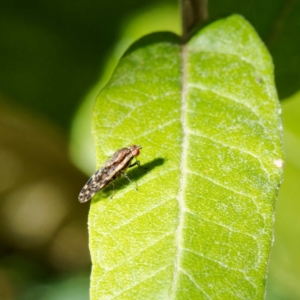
x=111, y=170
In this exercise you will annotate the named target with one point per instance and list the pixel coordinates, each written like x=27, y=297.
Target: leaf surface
x=278, y=25
x=207, y=116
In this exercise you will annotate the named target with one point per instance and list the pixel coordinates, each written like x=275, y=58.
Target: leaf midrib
x=180, y=197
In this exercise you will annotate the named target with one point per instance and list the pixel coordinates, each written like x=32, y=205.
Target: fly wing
x=103, y=177
x=94, y=184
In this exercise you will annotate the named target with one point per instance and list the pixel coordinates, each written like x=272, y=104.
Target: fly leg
x=113, y=190
x=137, y=162
x=136, y=187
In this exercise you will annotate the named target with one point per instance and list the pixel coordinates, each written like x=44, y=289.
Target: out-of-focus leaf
x=51, y=52
x=72, y=288
x=284, y=271
x=41, y=223
x=207, y=116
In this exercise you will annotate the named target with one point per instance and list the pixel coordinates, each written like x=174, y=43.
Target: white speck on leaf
x=278, y=163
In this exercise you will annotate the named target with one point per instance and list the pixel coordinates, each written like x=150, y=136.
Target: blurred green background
x=54, y=58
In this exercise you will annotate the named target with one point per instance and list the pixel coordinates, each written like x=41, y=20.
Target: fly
x=111, y=170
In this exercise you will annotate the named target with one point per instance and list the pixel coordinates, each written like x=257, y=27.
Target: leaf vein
x=139, y=282
x=219, y=184
x=182, y=184
x=231, y=97
x=125, y=260
x=190, y=277
x=136, y=216
x=223, y=225
x=196, y=133
x=221, y=264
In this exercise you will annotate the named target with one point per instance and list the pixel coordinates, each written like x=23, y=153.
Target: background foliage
x=52, y=54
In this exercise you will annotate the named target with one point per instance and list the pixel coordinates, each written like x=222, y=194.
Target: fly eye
x=135, y=152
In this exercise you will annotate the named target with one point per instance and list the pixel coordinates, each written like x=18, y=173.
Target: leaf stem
x=193, y=12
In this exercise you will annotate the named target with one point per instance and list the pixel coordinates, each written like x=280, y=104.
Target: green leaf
x=284, y=271
x=137, y=25
x=207, y=116
x=278, y=25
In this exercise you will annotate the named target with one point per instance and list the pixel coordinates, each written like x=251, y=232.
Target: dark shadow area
x=154, y=38
x=64, y=49
x=134, y=174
